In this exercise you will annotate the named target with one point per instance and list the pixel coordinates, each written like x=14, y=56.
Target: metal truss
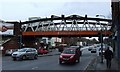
x=70, y=23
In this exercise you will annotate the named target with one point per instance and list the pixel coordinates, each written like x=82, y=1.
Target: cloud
x=24, y=10
x=59, y=1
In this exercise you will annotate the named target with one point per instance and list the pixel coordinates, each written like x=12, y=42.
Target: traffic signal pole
x=101, y=38
x=101, y=41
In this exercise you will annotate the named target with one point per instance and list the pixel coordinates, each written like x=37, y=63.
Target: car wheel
x=78, y=60
x=99, y=54
x=14, y=59
x=60, y=62
x=35, y=57
x=80, y=53
x=23, y=57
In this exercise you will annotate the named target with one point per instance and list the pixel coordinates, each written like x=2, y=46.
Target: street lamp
x=101, y=40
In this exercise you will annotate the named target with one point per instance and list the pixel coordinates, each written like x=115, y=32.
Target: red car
x=42, y=51
x=70, y=55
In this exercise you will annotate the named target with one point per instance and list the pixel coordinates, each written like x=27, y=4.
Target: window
x=29, y=50
x=69, y=51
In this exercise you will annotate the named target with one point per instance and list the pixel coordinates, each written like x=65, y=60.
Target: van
x=70, y=55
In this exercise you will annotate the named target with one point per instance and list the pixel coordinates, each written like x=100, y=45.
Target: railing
x=72, y=29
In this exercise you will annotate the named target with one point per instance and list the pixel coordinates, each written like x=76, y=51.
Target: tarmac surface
x=97, y=66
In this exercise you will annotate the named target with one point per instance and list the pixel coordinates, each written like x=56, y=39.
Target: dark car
x=70, y=55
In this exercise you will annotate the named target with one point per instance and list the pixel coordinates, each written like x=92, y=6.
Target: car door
x=29, y=53
x=33, y=53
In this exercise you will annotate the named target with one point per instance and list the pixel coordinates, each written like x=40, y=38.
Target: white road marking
x=34, y=68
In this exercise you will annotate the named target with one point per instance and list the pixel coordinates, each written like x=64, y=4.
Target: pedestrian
x=108, y=56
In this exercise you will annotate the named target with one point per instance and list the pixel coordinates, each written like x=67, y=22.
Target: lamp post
x=101, y=40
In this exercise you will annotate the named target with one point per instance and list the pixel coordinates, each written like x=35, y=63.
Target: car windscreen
x=22, y=50
x=69, y=51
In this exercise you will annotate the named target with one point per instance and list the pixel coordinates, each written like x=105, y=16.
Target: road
x=47, y=63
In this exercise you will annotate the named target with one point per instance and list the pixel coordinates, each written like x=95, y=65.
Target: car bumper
x=67, y=60
x=16, y=57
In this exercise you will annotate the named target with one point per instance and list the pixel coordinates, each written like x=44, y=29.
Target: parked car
x=70, y=55
x=9, y=52
x=42, y=51
x=25, y=53
x=94, y=50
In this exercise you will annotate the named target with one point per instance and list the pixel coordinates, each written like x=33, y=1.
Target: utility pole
x=101, y=41
x=101, y=37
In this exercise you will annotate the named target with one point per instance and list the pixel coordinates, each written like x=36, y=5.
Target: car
x=79, y=47
x=93, y=50
x=90, y=48
x=9, y=52
x=25, y=53
x=42, y=51
x=61, y=47
x=70, y=55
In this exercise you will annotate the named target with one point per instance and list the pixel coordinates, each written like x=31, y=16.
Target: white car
x=90, y=48
x=10, y=51
x=93, y=50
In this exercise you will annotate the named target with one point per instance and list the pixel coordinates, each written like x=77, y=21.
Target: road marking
x=92, y=60
x=34, y=68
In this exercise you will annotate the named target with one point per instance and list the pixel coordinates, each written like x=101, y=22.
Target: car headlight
x=71, y=56
x=60, y=56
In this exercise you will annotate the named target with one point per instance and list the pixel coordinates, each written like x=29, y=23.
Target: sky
x=16, y=10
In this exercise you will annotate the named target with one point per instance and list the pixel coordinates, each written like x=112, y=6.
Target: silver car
x=25, y=53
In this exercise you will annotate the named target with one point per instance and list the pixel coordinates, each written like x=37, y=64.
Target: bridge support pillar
x=18, y=34
x=116, y=22
x=118, y=37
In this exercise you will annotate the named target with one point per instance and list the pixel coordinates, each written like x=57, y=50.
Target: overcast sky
x=23, y=9
x=15, y=10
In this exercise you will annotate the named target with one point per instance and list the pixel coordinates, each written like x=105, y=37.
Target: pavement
x=97, y=66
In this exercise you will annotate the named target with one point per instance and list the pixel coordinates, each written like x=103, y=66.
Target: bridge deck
x=66, y=33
